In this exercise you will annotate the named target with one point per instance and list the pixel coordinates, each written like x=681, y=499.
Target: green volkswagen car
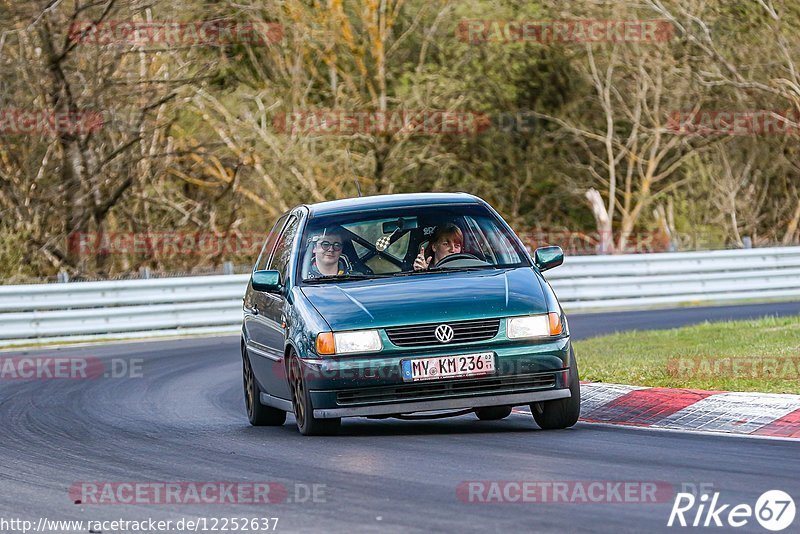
x=410, y=306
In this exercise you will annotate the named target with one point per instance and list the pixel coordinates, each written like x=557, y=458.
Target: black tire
x=561, y=413
x=257, y=413
x=307, y=424
x=493, y=413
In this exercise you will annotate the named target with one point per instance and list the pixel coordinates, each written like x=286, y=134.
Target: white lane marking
x=686, y=431
x=595, y=396
x=732, y=412
x=524, y=411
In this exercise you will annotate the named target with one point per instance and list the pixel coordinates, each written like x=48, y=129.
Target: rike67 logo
x=774, y=510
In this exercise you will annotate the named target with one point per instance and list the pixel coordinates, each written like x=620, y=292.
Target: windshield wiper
x=447, y=269
x=410, y=273
x=340, y=277
x=456, y=269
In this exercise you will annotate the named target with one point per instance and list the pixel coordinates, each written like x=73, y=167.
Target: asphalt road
x=181, y=418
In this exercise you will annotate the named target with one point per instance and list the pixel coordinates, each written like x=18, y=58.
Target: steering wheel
x=458, y=256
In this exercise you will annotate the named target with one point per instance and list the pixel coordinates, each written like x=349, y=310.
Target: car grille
x=424, y=334
x=446, y=388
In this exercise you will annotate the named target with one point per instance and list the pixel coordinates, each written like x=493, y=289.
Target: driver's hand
x=420, y=263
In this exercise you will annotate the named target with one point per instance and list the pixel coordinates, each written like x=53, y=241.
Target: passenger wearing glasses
x=328, y=259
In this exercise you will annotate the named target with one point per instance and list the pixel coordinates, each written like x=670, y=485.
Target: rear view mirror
x=400, y=224
x=266, y=281
x=548, y=257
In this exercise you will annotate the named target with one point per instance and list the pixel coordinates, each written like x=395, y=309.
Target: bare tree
x=66, y=181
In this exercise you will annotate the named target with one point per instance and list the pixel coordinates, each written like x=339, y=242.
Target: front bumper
x=513, y=399
x=371, y=385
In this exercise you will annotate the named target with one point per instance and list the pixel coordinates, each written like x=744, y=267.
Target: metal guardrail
x=213, y=304
x=647, y=280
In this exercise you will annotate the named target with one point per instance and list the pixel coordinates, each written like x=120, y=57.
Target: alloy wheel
x=298, y=393
x=249, y=392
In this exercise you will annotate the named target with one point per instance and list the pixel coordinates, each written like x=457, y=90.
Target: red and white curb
x=762, y=414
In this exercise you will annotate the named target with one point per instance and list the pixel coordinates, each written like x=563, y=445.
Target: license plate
x=448, y=367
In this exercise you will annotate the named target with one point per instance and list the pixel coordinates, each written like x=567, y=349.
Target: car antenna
x=350, y=166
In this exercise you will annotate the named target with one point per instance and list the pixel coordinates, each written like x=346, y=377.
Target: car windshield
x=406, y=242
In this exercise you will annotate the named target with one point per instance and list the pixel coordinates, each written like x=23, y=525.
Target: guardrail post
x=227, y=267
x=63, y=277
x=144, y=273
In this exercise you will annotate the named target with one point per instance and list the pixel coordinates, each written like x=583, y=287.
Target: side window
x=283, y=250
x=269, y=244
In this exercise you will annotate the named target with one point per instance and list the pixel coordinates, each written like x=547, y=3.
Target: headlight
x=349, y=342
x=534, y=326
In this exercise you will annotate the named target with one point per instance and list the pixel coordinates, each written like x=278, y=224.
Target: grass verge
x=761, y=355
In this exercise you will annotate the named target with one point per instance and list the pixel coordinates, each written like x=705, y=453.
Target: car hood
x=428, y=298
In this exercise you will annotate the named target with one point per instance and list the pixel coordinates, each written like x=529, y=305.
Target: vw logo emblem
x=444, y=333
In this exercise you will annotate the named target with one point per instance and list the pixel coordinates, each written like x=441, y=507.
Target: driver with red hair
x=447, y=239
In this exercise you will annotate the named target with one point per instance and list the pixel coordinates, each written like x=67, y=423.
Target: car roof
x=389, y=201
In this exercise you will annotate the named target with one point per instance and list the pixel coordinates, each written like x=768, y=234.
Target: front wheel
x=257, y=413
x=307, y=424
x=561, y=413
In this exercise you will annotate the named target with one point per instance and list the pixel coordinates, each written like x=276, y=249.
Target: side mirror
x=266, y=281
x=548, y=257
